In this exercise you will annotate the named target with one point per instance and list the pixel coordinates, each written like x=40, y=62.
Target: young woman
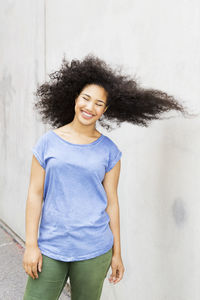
x=74, y=178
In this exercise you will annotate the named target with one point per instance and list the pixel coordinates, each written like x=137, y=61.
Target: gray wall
x=159, y=187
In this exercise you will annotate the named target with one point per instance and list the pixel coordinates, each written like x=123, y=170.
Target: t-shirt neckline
x=79, y=145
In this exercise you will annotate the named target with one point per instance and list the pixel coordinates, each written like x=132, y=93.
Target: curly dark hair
x=126, y=100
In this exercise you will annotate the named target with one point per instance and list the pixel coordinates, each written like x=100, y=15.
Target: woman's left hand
x=117, y=269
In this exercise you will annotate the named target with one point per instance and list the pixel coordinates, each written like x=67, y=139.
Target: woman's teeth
x=88, y=116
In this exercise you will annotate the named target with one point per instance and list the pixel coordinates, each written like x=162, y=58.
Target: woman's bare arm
x=34, y=202
x=32, y=260
x=110, y=184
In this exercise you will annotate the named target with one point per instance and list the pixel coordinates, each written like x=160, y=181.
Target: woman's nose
x=90, y=107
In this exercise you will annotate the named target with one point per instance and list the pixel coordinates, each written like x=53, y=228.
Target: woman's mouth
x=86, y=115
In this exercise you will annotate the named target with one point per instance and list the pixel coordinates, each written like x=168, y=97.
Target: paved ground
x=12, y=274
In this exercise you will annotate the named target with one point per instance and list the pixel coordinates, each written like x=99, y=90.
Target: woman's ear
x=106, y=108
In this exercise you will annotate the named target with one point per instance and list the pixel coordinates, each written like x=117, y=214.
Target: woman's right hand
x=31, y=260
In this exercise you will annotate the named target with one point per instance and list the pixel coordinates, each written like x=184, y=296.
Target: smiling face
x=91, y=103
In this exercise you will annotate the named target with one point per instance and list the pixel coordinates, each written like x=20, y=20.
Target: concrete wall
x=159, y=187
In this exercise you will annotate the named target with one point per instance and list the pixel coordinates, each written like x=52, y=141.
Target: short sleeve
x=114, y=157
x=39, y=151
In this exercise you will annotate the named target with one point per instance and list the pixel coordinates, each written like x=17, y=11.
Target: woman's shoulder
x=109, y=140
x=110, y=143
x=46, y=134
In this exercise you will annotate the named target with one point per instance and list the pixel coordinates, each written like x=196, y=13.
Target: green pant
x=86, y=278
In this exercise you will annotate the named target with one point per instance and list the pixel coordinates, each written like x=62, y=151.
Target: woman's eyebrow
x=96, y=99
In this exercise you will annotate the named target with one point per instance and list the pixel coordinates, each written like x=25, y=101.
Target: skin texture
x=92, y=99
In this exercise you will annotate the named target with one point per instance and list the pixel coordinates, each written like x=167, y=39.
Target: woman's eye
x=88, y=100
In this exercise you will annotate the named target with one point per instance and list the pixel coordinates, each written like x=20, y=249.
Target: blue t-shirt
x=74, y=224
